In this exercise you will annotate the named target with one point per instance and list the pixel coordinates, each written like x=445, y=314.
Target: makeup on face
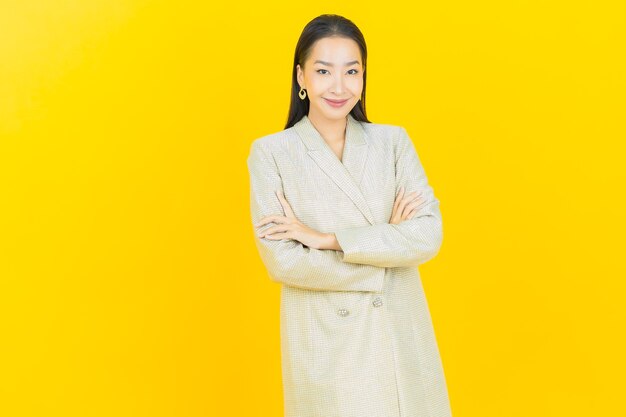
x=335, y=103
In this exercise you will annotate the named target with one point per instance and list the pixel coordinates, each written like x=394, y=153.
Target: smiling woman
x=343, y=215
x=331, y=79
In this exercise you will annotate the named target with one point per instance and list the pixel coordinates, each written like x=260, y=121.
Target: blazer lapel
x=347, y=174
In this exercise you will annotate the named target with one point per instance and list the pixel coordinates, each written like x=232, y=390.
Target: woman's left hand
x=289, y=227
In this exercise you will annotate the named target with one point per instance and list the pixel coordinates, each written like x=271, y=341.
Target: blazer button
x=343, y=312
x=377, y=302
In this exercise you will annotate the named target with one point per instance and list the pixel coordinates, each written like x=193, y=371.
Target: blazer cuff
x=349, y=241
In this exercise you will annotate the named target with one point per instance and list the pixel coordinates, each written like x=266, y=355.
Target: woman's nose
x=338, y=84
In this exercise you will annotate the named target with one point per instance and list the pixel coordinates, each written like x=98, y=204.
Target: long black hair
x=324, y=26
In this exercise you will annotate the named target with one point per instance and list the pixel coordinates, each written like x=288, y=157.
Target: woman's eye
x=355, y=71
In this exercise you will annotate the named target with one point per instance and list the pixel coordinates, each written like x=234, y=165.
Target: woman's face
x=333, y=71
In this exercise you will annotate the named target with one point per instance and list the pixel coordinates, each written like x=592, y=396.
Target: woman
x=343, y=215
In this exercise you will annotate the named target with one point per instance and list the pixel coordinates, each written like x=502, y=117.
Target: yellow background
x=129, y=280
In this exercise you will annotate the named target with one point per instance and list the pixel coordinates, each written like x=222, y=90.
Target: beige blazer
x=356, y=333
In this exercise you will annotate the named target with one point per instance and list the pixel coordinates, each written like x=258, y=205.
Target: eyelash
x=357, y=71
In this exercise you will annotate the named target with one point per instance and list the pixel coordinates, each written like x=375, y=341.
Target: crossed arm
x=354, y=259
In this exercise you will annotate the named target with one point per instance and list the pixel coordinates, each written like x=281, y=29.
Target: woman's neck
x=333, y=131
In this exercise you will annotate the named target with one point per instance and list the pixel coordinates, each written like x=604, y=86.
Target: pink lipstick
x=336, y=103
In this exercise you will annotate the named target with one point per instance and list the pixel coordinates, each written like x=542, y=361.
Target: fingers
x=400, y=203
x=274, y=231
x=411, y=208
x=398, y=198
x=289, y=217
x=271, y=219
x=408, y=198
x=285, y=204
x=411, y=197
x=405, y=207
x=276, y=236
x=396, y=202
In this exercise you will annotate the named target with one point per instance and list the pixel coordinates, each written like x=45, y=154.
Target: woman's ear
x=300, y=76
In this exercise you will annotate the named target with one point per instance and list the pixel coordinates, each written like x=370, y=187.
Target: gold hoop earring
x=302, y=93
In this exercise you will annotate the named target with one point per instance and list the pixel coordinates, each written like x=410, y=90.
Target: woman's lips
x=336, y=103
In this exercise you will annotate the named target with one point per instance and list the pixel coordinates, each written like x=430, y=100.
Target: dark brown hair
x=323, y=26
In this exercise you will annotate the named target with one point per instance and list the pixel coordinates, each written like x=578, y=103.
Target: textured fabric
x=356, y=334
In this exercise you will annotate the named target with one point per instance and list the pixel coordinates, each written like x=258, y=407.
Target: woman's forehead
x=333, y=51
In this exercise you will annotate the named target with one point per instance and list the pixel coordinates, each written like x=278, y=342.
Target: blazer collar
x=347, y=174
x=313, y=140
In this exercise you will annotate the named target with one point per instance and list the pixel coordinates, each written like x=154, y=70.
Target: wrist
x=330, y=242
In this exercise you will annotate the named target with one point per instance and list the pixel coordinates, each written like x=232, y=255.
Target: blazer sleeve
x=409, y=243
x=288, y=261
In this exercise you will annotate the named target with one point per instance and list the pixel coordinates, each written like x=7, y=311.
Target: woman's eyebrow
x=332, y=65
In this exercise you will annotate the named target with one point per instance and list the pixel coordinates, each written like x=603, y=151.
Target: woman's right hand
x=404, y=207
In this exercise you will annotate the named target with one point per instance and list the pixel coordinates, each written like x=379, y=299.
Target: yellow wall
x=129, y=280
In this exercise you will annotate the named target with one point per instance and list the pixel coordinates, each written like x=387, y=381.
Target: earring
x=302, y=93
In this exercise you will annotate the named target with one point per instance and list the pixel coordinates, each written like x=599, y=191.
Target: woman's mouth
x=336, y=103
